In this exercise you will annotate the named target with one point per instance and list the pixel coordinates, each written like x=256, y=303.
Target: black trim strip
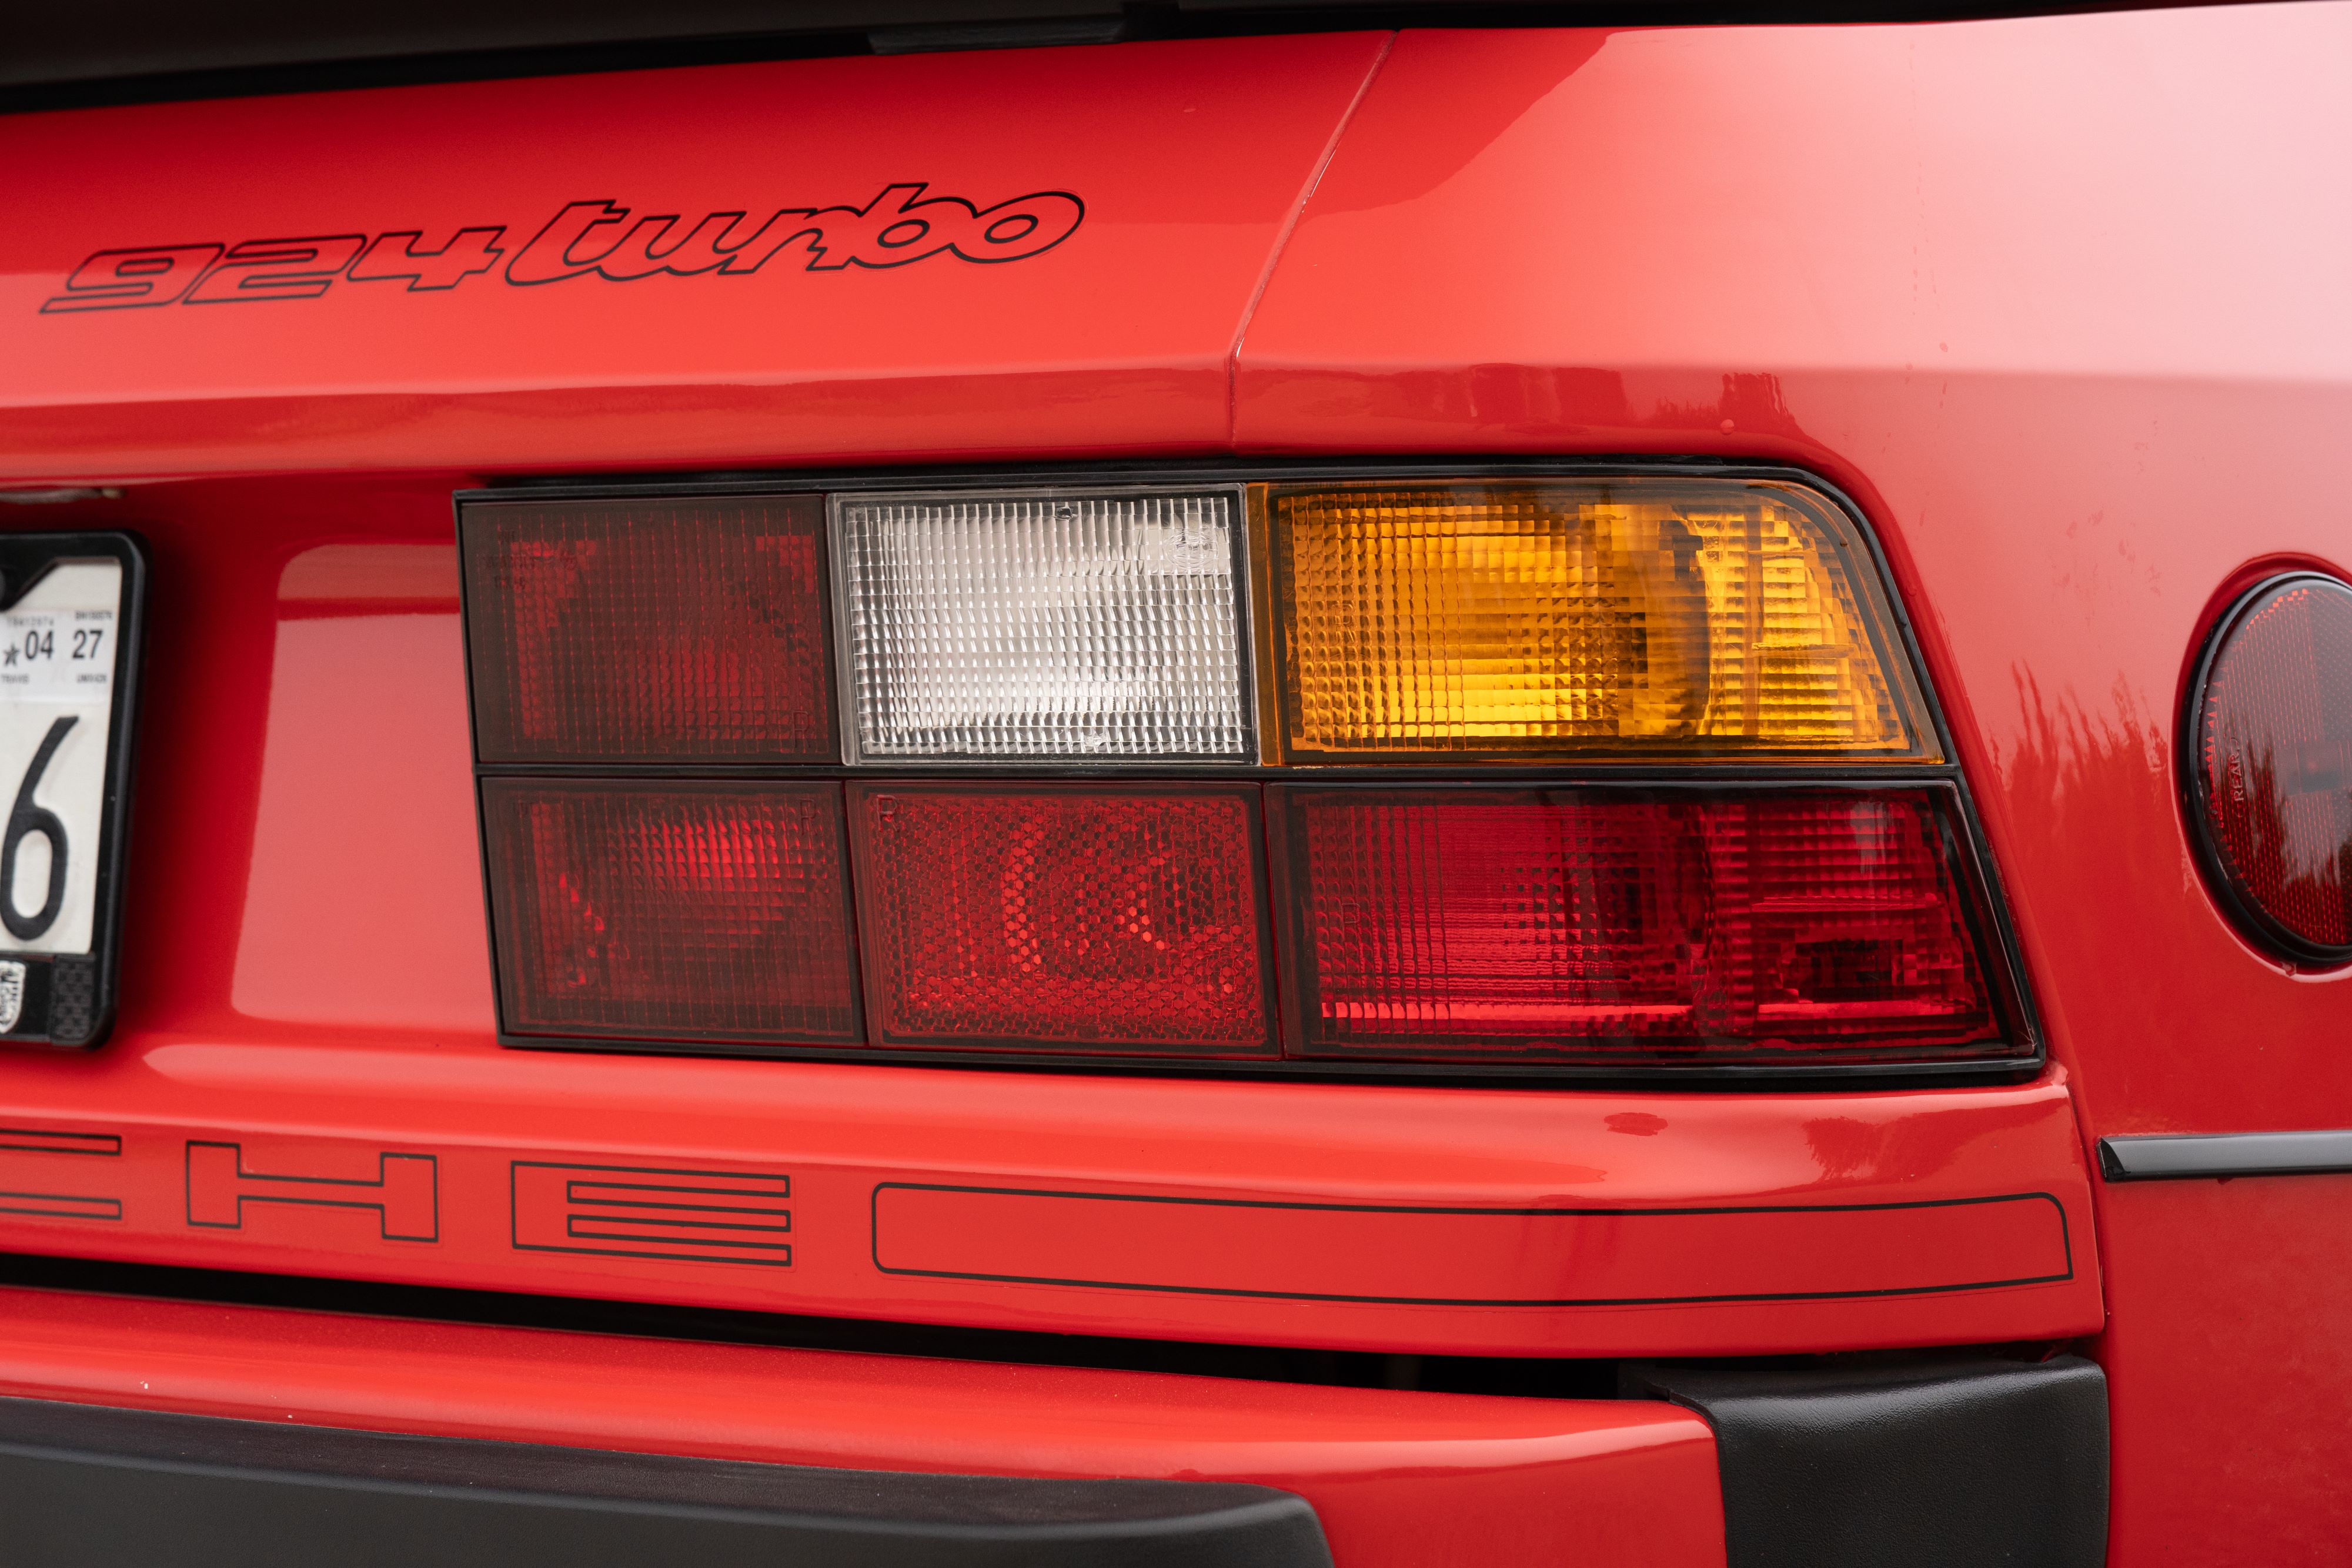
x=1941, y=1458
x=2180, y=1156
x=95, y=1485
x=141, y=51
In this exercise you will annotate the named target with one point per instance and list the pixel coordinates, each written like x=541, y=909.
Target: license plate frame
x=64, y=998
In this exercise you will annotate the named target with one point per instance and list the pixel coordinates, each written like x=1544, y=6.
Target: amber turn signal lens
x=1678, y=618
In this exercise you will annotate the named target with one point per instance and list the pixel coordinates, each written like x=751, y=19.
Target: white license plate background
x=57, y=662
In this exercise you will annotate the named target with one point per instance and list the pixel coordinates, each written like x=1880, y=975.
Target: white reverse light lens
x=1102, y=625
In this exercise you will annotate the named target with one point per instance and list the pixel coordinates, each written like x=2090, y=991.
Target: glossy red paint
x=2057, y=300
x=1394, y=1477
x=2073, y=343
x=1189, y=158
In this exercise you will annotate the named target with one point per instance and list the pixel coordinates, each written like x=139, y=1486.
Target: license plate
x=69, y=618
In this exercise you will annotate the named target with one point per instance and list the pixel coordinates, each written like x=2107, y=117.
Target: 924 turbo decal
x=583, y=239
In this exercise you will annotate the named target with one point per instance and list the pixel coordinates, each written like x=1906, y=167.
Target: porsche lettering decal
x=584, y=239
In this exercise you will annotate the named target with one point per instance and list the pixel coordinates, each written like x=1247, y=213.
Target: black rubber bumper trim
x=2180, y=1156
x=86, y=1487
x=1944, y=1463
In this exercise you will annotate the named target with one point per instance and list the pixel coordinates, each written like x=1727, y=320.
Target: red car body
x=2059, y=302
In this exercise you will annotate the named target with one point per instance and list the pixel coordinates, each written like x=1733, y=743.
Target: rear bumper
x=1395, y=1480
x=529, y=1447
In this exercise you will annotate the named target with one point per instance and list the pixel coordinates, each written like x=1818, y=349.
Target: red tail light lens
x=659, y=632
x=1073, y=919
x=2274, y=772
x=1567, y=926
x=672, y=910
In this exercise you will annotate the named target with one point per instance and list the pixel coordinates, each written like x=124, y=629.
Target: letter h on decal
x=404, y=1193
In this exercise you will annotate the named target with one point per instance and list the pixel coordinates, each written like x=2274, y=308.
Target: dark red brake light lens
x=655, y=630
x=1079, y=919
x=1806, y=926
x=2273, y=773
x=672, y=910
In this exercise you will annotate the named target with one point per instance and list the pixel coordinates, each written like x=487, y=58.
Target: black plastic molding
x=1949, y=1462
x=90, y=1487
x=2182, y=1156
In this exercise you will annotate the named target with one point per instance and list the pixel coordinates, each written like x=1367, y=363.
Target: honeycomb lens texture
x=1064, y=919
x=1674, y=618
x=1096, y=626
x=2275, y=731
x=672, y=910
x=662, y=631
x=1551, y=924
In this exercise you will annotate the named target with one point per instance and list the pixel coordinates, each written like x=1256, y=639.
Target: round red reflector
x=2272, y=784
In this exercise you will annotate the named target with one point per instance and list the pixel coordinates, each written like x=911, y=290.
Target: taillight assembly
x=1542, y=775
x=2269, y=746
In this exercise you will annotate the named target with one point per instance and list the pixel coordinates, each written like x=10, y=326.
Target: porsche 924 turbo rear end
x=1301, y=792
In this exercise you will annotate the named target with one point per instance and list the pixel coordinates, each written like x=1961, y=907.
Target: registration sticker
x=63, y=651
